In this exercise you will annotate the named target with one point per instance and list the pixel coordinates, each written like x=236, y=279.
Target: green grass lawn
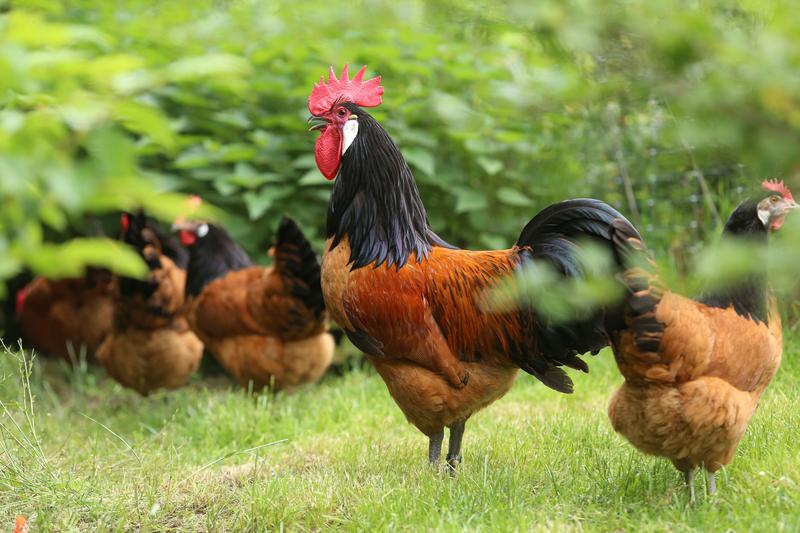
x=80, y=453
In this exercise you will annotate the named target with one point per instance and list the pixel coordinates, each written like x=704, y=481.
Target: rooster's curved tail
x=555, y=236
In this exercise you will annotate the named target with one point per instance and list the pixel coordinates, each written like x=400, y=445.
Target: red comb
x=364, y=93
x=194, y=202
x=779, y=187
x=124, y=223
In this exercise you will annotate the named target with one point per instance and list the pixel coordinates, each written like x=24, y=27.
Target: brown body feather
x=692, y=400
x=63, y=315
x=444, y=356
x=259, y=332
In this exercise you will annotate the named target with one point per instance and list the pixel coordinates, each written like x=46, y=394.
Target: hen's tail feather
x=138, y=236
x=645, y=290
x=297, y=263
x=555, y=236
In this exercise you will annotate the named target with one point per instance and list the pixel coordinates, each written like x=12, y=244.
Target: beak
x=788, y=205
x=317, y=123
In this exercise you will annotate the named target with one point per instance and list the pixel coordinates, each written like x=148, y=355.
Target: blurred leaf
x=146, y=120
x=469, y=200
x=207, y=66
x=491, y=166
x=513, y=197
x=420, y=159
x=69, y=259
x=257, y=202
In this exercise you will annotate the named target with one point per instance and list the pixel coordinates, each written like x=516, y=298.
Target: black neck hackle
x=749, y=297
x=211, y=257
x=375, y=202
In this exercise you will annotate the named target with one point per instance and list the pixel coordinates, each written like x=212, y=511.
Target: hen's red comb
x=364, y=93
x=193, y=203
x=779, y=187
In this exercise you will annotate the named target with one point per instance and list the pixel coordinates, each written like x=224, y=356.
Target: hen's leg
x=688, y=475
x=454, y=445
x=712, y=483
x=435, y=448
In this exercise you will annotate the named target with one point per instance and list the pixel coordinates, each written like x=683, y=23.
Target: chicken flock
x=693, y=369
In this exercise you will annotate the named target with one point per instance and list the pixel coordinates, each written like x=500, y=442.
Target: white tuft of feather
x=349, y=131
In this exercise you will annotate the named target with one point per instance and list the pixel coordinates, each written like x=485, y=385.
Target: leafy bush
x=664, y=109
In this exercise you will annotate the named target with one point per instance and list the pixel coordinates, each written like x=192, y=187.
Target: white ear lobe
x=202, y=230
x=763, y=216
x=349, y=132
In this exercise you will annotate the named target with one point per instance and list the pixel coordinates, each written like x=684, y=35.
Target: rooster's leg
x=454, y=445
x=688, y=475
x=712, y=483
x=435, y=448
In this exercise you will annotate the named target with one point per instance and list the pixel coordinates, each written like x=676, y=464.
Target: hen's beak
x=788, y=205
x=317, y=123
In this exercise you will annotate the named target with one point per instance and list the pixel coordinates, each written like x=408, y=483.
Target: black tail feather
x=136, y=237
x=296, y=261
x=555, y=236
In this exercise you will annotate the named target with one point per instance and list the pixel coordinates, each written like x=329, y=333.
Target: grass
x=77, y=452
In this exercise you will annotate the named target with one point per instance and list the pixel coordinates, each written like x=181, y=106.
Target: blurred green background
x=667, y=110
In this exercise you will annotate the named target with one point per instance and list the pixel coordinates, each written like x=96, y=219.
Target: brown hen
x=151, y=345
x=266, y=326
x=695, y=370
x=64, y=317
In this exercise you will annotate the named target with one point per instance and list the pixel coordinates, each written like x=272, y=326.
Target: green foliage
x=663, y=108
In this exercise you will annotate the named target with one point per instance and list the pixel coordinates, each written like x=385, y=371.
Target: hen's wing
x=221, y=310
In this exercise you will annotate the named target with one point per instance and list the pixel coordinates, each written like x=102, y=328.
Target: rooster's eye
x=774, y=199
x=342, y=111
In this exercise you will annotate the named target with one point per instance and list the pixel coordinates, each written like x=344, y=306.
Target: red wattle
x=328, y=151
x=187, y=237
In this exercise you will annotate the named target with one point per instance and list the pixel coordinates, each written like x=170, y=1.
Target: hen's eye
x=774, y=199
x=342, y=112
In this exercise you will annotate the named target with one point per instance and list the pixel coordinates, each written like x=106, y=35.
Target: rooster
x=412, y=302
x=265, y=326
x=150, y=345
x=695, y=370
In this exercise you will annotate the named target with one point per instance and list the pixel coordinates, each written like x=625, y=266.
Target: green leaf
x=420, y=159
x=146, y=120
x=513, y=197
x=469, y=200
x=490, y=166
x=71, y=258
x=313, y=177
x=207, y=66
x=257, y=202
